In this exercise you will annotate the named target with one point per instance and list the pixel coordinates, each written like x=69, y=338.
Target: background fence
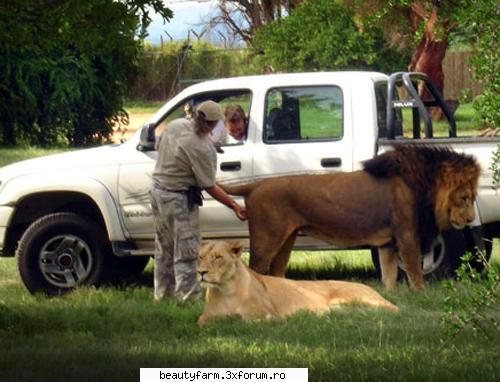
x=164, y=74
x=458, y=77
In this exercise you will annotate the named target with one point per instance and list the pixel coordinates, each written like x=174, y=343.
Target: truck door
x=234, y=162
x=303, y=132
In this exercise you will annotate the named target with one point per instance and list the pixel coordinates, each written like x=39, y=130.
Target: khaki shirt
x=184, y=158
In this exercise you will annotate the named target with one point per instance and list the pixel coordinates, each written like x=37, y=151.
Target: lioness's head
x=217, y=262
x=455, y=196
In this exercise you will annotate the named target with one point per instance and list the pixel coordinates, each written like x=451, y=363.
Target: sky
x=186, y=15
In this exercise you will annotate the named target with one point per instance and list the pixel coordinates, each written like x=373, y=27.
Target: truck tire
x=444, y=257
x=61, y=251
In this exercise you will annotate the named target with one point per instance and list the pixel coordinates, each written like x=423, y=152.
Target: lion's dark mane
x=419, y=166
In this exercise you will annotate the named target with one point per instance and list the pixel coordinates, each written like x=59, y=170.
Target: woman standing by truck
x=186, y=165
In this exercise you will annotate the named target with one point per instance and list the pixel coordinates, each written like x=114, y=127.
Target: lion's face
x=455, y=199
x=217, y=262
x=459, y=210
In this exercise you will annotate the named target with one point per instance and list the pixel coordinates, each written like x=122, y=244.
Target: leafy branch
x=473, y=299
x=495, y=168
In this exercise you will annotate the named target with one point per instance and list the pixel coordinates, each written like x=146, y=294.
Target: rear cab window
x=299, y=114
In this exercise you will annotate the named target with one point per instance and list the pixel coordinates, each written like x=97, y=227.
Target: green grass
x=316, y=122
x=466, y=120
x=14, y=154
x=109, y=333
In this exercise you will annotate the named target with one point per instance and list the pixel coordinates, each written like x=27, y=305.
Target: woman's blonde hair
x=234, y=113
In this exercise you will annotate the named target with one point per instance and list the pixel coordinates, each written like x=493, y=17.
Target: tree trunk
x=256, y=14
x=429, y=55
x=428, y=59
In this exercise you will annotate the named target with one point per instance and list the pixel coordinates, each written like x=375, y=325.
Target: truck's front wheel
x=60, y=251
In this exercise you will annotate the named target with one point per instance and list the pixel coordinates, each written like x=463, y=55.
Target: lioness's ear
x=236, y=248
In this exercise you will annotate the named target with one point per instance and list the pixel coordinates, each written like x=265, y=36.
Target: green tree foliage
x=321, y=35
x=430, y=24
x=480, y=20
x=66, y=66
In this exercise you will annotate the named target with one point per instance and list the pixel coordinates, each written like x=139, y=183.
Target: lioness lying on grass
x=234, y=289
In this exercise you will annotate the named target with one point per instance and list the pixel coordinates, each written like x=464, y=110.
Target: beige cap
x=211, y=109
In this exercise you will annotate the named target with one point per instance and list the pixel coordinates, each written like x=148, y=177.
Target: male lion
x=398, y=204
x=234, y=289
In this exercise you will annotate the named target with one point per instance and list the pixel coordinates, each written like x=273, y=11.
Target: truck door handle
x=230, y=166
x=331, y=162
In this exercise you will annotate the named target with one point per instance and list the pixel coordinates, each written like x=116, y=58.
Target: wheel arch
x=94, y=207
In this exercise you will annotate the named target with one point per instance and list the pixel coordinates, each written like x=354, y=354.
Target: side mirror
x=218, y=148
x=147, y=138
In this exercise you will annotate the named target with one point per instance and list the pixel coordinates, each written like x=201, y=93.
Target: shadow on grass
x=338, y=272
x=330, y=269
x=361, y=274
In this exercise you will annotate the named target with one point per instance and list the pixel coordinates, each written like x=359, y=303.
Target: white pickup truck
x=74, y=218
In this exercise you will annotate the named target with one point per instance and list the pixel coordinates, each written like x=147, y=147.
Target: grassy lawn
x=107, y=334
x=466, y=120
x=465, y=117
x=14, y=154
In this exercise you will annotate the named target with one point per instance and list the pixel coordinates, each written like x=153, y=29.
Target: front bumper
x=5, y=217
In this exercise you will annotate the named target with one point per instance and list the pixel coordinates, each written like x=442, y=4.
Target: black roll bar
x=419, y=106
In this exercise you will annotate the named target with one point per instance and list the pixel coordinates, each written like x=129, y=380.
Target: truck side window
x=303, y=114
x=186, y=107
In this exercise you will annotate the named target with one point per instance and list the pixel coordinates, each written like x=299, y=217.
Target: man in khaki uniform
x=187, y=164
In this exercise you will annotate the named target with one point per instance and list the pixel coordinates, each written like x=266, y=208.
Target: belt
x=193, y=193
x=160, y=186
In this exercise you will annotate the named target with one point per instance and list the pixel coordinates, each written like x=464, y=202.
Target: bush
x=473, y=299
x=65, y=68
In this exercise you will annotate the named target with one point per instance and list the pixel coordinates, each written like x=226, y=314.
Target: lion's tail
x=241, y=190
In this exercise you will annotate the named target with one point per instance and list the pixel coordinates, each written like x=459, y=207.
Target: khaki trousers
x=176, y=246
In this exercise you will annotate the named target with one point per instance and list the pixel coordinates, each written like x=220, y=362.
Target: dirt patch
x=137, y=120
